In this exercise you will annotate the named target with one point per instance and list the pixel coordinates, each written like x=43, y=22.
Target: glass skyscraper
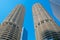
x=24, y=34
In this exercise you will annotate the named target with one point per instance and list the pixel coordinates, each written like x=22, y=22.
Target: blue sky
x=6, y=6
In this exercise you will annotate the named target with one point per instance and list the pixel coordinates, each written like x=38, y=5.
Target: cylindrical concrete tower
x=45, y=27
x=12, y=25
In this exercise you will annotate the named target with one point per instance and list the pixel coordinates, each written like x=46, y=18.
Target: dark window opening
x=48, y=35
x=14, y=25
x=10, y=23
x=47, y=20
x=39, y=23
x=42, y=21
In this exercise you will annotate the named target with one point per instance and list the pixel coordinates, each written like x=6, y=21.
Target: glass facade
x=25, y=34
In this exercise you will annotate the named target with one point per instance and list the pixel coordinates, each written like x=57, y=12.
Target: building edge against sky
x=45, y=27
x=11, y=28
x=24, y=35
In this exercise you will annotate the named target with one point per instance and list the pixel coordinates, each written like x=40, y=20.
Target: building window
x=48, y=39
x=14, y=25
x=3, y=38
x=10, y=23
x=17, y=27
x=6, y=22
x=42, y=21
x=50, y=35
x=38, y=23
x=47, y=20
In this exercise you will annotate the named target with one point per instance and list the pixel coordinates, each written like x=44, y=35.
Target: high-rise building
x=45, y=27
x=24, y=34
x=12, y=26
